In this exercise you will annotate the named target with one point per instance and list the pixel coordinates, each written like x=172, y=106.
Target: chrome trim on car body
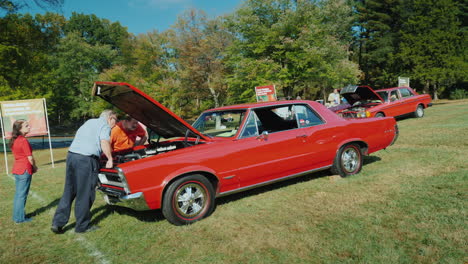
x=395, y=137
x=134, y=201
x=272, y=181
x=124, y=180
x=114, y=179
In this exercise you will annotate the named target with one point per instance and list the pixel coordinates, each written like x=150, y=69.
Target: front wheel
x=380, y=114
x=188, y=200
x=348, y=160
x=419, y=111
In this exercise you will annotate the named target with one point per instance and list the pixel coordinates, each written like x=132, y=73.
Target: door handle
x=301, y=136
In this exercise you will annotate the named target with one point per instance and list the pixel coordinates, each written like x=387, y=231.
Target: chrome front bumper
x=135, y=201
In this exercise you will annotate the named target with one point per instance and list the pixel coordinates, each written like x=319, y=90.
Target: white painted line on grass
x=92, y=250
x=33, y=194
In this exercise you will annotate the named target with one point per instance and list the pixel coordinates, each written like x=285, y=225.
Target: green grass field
x=408, y=205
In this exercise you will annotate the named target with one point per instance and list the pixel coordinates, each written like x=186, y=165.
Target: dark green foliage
x=300, y=46
x=378, y=24
x=424, y=40
x=459, y=94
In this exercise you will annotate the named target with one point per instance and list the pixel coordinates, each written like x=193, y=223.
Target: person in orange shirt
x=124, y=134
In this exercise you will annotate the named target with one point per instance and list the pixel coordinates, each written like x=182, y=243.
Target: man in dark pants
x=91, y=139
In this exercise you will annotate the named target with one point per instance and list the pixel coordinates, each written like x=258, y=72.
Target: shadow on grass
x=104, y=211
x=370, y=159
x=100, y=213
x=56, y=162
x=41, y=210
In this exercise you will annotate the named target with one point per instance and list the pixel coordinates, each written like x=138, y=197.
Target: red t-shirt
x=124, y=139
x=21, y=150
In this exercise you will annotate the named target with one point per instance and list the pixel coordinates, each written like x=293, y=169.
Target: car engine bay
x=149, y=150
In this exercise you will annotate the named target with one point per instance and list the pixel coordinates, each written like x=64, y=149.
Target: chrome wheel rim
x=350, y=159
x=190, y=200
x=420, y=111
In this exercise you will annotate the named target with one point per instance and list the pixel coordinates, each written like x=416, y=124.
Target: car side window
x=251, y=127
x=394, y=95
x=384, y=95
x=405, y=93
x=306, y=117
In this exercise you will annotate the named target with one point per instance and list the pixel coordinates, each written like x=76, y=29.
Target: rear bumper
x=134, y=201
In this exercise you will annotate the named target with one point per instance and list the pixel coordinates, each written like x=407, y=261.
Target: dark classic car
x=229, y=149
x=363, y=101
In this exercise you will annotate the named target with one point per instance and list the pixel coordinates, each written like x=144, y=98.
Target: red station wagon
x=229, y=149
x=363, y=101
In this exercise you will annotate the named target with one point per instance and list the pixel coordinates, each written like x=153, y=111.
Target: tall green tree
x=433, y=45
x=150, y=65
x=26, y=47
x=199, y=48
x=97, y=31
x=300, y=46
x=78, y=65
x=378, y=34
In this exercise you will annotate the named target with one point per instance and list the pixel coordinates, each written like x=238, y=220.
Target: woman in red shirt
x=23, y=168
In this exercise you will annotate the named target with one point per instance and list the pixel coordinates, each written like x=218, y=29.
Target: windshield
x=384, y=95
x=219, y=123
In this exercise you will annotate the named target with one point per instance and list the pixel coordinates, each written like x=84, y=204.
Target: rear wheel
x=419, y=112
x=188, y=200
x=348, y=160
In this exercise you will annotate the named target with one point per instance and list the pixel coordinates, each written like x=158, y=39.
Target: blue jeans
x=23, y=182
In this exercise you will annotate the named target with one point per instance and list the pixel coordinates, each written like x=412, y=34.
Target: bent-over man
x=91, y=139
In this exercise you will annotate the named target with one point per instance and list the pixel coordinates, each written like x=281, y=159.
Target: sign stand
x=4, y=146
x=48, y=133
x=34, y=111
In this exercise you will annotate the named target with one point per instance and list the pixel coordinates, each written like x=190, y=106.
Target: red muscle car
x=363, y=101
x=229, y=149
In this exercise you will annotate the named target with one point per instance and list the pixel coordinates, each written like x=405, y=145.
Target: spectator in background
x=334, y=98
x=91, y=139
x=125, y=133
x=23, y=168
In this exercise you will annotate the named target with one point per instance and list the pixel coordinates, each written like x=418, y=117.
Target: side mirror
x=263, y=136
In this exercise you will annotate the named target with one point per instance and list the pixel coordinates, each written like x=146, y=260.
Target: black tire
x=380, y=114
x=348, y=160
x=188, y=200
x=419, y=111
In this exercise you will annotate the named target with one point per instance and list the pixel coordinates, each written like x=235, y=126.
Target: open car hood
x=353, y=94
x=144, y=109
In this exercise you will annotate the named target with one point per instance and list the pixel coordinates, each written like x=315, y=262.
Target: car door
x=394, y=107
x=265, y=151
x=409, y=101
x=319, y=140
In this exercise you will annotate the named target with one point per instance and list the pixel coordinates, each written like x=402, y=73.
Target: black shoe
x=56, y=229
x=90, y=229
